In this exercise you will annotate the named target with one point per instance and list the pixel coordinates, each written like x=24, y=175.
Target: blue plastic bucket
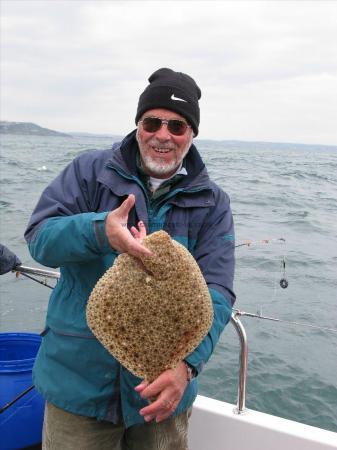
x=21, y=423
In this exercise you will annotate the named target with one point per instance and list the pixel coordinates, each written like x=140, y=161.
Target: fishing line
x=274, y=319
x=44, y=282
x=283, y=281
x=249, y=243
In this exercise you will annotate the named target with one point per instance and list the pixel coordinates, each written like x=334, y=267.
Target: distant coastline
x=32, y=129
x=28, y=128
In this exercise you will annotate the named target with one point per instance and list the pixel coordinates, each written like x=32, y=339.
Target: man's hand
x=119, y=236
x=167, y=390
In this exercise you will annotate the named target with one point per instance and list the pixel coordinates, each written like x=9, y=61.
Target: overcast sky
x=267, y=69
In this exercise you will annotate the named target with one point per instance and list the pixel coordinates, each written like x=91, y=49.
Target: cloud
x=267, y=70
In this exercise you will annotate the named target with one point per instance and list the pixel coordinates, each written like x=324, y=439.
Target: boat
x=217, y=425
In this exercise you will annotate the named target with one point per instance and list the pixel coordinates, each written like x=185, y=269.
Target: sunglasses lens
x=177, y=127
x=151, y=124
x=174, y=126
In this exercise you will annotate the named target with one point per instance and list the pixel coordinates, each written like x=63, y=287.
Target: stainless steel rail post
x=37, y=271
x=240, y=408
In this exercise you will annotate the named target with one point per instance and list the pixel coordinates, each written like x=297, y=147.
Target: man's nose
x=163, y=133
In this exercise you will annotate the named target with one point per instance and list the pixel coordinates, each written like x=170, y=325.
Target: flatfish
x=150, y=318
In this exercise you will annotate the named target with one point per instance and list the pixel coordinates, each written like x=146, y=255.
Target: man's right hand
x=119, y=237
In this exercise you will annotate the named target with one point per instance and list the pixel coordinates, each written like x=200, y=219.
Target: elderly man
x=103, y=204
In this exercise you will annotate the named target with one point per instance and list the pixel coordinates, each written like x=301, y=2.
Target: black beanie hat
x=174, y=91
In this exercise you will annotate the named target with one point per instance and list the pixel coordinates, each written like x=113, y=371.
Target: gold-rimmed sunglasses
x=175, y=126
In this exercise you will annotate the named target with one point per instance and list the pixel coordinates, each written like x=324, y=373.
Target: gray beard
x=155, y=167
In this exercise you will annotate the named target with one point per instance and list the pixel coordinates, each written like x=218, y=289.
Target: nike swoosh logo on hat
x=173, y=97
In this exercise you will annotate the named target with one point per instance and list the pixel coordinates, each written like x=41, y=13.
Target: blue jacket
x=67, y=230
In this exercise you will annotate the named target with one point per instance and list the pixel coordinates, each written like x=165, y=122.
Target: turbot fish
x=151, y=315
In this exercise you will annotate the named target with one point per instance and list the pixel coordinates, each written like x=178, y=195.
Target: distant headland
x=27, y=128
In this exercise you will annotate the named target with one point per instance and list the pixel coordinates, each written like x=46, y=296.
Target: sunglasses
x=174, y=126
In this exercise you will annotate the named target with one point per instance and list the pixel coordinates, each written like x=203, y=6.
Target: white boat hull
x=215, y=426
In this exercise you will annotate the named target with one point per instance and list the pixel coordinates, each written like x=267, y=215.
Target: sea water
x=283, y=193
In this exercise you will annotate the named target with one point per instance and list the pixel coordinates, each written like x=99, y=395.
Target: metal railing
x=37, y=271
x=243, y=360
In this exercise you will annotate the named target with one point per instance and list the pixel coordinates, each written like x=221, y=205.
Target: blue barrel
x=21, y=423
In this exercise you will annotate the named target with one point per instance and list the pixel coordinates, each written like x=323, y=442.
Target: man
x=103, y=204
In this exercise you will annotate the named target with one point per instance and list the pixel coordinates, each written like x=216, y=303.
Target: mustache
x=154, y=142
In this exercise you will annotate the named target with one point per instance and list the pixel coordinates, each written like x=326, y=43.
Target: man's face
x=162, y=152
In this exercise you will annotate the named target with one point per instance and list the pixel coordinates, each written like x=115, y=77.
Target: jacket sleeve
x=8, y=260
x=62, y=228
x=214, y=252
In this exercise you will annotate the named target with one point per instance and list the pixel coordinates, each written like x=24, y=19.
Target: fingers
x=135, y=232
x=141, y=386
x=168, y=409
x=148, y=418
x=164, y=393
x=139, y=234
x=119, y=237
x=134, y=248
x=154, y=389
x=172, y=379
x=127, y=205
x=160, y=409
x=142, y=230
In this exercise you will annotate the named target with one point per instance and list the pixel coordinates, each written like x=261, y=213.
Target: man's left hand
x=167, y=390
